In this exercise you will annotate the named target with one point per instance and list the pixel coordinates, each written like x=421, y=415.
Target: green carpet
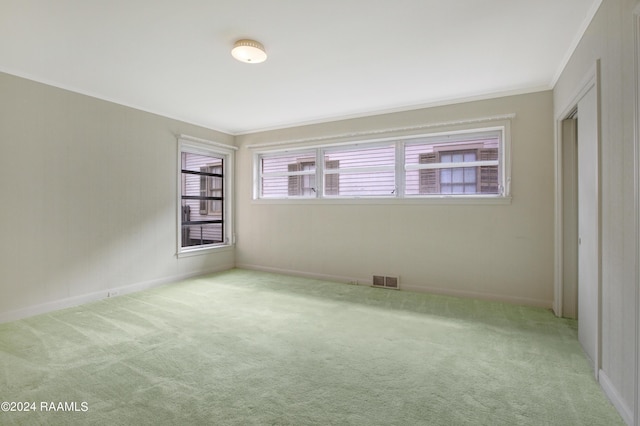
x=250, y=348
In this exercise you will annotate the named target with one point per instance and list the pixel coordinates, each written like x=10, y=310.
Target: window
x=203, y=200
x=359, y=171
x=211, y=188
x=457, y=180
x=441, y=166
x=288, y=175
x=467, y=163
x=304, y=184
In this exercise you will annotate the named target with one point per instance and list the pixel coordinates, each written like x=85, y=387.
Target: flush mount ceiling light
x=249, y=51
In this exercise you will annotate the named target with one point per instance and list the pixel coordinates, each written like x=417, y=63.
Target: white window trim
x=355, y=170
x=460, y=130
x=227, y=152
x=504, y=131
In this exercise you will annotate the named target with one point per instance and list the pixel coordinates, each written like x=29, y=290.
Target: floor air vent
x=386, y=282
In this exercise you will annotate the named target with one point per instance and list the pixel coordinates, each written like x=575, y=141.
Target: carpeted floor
x=250, y=348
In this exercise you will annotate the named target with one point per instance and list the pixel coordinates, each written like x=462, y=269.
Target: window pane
x=282, y=163
x=274, y=186
x=362, y=172
x=362, y=157
x=194, y=162
x=470, y=174
x=201, y=234
x=365, y=184
x=202, y=200
x=456, y=180
x=289, y=175
x=288, y=186
x=190, y=184
x=446, y=176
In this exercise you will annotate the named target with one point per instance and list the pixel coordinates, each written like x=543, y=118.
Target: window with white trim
x=203, y=196
x=359, y=171
x=447, y=165
x=463, y=164
x=288, y=175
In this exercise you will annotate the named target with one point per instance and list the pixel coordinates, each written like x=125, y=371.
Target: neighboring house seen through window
x=448, y=179
x=203, y=200
x=463, y=164
x=202, y=221
x=211, y=190
x=302, y=185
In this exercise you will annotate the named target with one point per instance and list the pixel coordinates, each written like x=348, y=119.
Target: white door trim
x=636, y=207
x=591, y=80
x=585, y=85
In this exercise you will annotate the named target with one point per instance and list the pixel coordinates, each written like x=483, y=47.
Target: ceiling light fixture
x=249, y=51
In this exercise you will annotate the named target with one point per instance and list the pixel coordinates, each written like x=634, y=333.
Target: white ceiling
x=328, y=59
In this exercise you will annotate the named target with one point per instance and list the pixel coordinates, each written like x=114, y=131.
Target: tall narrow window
x=203, y=197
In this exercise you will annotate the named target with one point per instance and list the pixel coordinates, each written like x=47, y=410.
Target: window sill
x=434, y=200
x=204, y=250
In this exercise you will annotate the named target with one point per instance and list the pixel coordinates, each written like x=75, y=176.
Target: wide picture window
x=465, y=164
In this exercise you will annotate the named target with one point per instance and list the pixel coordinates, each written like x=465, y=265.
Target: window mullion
x=298, y=173
x=451, y=165
x=399, y=172
x=319, y=173
x=355, y=170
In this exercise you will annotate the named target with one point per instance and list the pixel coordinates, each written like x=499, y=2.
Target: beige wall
x=610, y=38
x=89, y=204
x=494, y=251
x=88, y=198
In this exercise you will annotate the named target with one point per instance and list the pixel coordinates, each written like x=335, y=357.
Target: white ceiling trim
x=101, y=97
x=574, y=44
x=406, y=108
x=132, y=55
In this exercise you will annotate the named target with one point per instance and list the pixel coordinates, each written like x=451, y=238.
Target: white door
x=588, y=229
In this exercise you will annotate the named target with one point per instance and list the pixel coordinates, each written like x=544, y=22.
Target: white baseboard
x=491, y=297
x=419, y=289
x=625, y=412
x=69, y=302
x=295, y=273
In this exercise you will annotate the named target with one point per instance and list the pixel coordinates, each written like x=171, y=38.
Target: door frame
x=636, y=206
x=591, y=80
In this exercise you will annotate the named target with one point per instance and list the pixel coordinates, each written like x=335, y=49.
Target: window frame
x=304, y=154
x=453, y=133
x=372, y=145
x=187, y=144
x=440, y=142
